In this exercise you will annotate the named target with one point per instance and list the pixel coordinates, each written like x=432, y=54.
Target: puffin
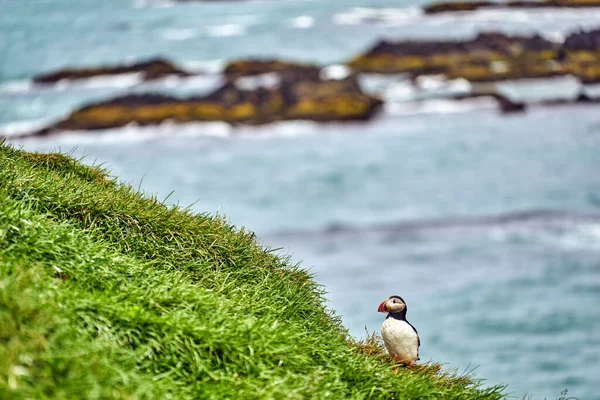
x=400, y=337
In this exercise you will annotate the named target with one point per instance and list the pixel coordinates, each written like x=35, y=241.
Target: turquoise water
x=487, y=225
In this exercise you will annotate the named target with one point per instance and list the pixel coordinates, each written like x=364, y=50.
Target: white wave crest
x=153, y=4
x=96, y=82
x=132, y=133
x=569, y=236
x=303, y=22
x=438, y=84
x=400, y=91
x=196, y=84
x=103, y=81
x=226, y=30
x=592, y=90
x=561, y=87
x=335, y=72
x=24, y=127
x=378, y=83
x=426, y=87
x=388, y=16
x=206, y=66
x=268, y=80
x=19, y=86
x=176, y=34
x=280, y=129
x=440, y=106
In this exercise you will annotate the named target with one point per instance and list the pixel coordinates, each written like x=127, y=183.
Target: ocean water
x=487, y=225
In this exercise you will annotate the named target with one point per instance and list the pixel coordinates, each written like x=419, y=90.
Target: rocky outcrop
x=581, y=52
x=306, y=99
x=150, y=69
x=489, y=57
x=582, y=98
x=253, y=67
x=505, y=105
x=440, y=7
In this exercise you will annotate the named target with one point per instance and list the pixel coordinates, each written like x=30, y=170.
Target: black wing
x=418, y=338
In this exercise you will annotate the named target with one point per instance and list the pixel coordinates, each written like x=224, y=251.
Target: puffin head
x=394, y=304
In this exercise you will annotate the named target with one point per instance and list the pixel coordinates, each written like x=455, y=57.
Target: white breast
x=401, y=340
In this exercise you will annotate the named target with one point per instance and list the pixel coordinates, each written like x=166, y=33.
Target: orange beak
x=382, y=307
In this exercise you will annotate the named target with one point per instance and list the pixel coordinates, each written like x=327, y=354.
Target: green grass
x=108, y=293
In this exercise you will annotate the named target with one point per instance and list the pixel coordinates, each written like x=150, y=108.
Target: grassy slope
x=105, y=293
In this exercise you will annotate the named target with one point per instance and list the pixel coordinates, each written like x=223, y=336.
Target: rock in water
x=150, y=69
x=253, y=67
x=436, y=8
x=293, y=99
x=488, y=57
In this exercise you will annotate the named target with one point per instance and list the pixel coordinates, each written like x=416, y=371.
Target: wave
x=266, y=80
x=592, y=90
x=226, y=30
x=588, y=222
x=18, y=86
x=361, y=15
x=97, y=82
x=171, y=130
x=335, y=72
x=206, y=79
x=379, y=83
x=154, y=3
x=426, y=86
x=579, y=15
x=192, y=85
x=439, y=106
x=112, y=81
x=215, y=66
x=531, y=90
x=302, y=22
x=178, y=34
x=126, y=134
x=20, y=128
x=280, y=129
x=549, y=21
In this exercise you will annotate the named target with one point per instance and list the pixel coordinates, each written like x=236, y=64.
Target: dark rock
x=582, y=40
x=307, y=99
x=478, y=57
x=505, y=104
x=582, y=98
x=459, y=6
x=436, y=8
x=581, y=53
x=509, y=106
x=489, y=57
x=252, y=67
x=151, y=69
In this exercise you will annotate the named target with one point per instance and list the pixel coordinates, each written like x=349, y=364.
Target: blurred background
x=486, y=221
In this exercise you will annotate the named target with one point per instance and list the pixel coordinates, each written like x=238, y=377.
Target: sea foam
x=226, y=30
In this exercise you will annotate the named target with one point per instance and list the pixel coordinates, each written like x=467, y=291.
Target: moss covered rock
x=489, y=57
x=150, y=69
x=581, y=52
x=307, y=99
x=440, y=7
x=252, y=67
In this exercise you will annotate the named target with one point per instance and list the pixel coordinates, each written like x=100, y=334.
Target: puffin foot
x=411, y=364
x=395, y=369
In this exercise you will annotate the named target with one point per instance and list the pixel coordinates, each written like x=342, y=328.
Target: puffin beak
x=382, y=307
